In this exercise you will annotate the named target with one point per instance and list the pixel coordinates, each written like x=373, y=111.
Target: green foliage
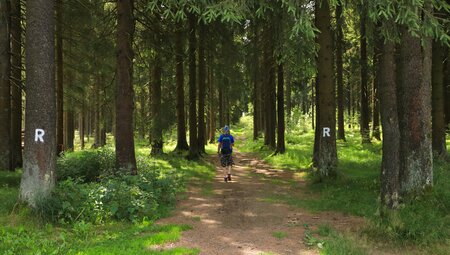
x=9, y=183
x=114, y=198
x=417, y=16
x=309, y=239
x=87, y=166
x=331, y=242
x=338, y=244
x=93, y=191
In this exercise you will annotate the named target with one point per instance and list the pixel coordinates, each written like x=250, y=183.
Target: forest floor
x=236, y=217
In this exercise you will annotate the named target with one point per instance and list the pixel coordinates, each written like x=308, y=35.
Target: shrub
x=112, y=198
x=86, y=166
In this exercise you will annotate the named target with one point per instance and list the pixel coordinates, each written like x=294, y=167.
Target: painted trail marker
x=326, y=132
x=39, y=135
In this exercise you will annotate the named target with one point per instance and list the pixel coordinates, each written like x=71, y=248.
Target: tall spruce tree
x=39, y=163
x=125, y=155
x=5, y=99
x=326, y=156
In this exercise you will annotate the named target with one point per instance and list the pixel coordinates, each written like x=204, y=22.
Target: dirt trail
x=233, y=219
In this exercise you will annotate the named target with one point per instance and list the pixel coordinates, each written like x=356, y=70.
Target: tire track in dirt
x=233, y=219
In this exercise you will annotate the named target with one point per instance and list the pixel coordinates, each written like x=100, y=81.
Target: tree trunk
x=447, y=90
x=349, y=104
x=142, y=113
x=364, y=99
x=212, y=101
x=390, y=167
x=201, y=89
x=376, y=84
x=5, y=99
x=416, y=171
x=97, y=119
x=82, y=126
x=182, y=144
x=193, y=141
x=327, y=155
x=289, y=97
x=221, y=114
x=438, y=92
x=39, y=163
x=125, y=155
x=316, y=119
x=16, y=86
x=281, y=148
x=256, y=109
x=59, y=78
x=68, y=115
x=68, y=130
x=269, y=87
x=339, y=71
x=156, y=135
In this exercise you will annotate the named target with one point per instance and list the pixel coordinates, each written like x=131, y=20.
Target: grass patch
x=21, y=232
x=332, y=242
x=421, y=222
x=279, y=235
x=84, y=238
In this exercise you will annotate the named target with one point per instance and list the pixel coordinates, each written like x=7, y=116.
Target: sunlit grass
x=23, y=233
x=279, y=235
x=423, y=221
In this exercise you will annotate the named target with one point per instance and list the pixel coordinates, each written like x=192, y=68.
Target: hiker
x=224, y=149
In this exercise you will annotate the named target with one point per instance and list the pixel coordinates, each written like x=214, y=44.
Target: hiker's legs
x=225, y=171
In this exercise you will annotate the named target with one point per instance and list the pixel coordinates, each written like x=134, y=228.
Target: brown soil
x=234, y=219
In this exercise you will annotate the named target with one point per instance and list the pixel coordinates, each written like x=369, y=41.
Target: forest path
x=232, y=218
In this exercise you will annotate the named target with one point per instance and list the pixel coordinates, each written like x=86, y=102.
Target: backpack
x=226, y=144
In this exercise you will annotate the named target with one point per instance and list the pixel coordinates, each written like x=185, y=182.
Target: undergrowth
x=422, y=221
x=94, y=209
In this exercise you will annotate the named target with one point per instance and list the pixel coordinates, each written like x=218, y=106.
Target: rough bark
x=16, y=86
x=193, y=141
x=125, y=155
x=269, y=87
x=156, y=127
x=327, y=154
x=315, y=120
x=447, y=90
x=364, y=98
x=349, y=104
x=289, y=97
x=5, y=99
x=416, y=172
x=69, y=128
x=97, y=106
x=81, y=126
x=182, y=144
x=201, y=88
x=59, y=78
x=376, y=84
x=256, y=104
x=142, y=113
x=39, y=163
x=390, y=167
x=339, y=71
x=281, y=147
x=221, y=113
x=438, y=92
x=212, y=101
